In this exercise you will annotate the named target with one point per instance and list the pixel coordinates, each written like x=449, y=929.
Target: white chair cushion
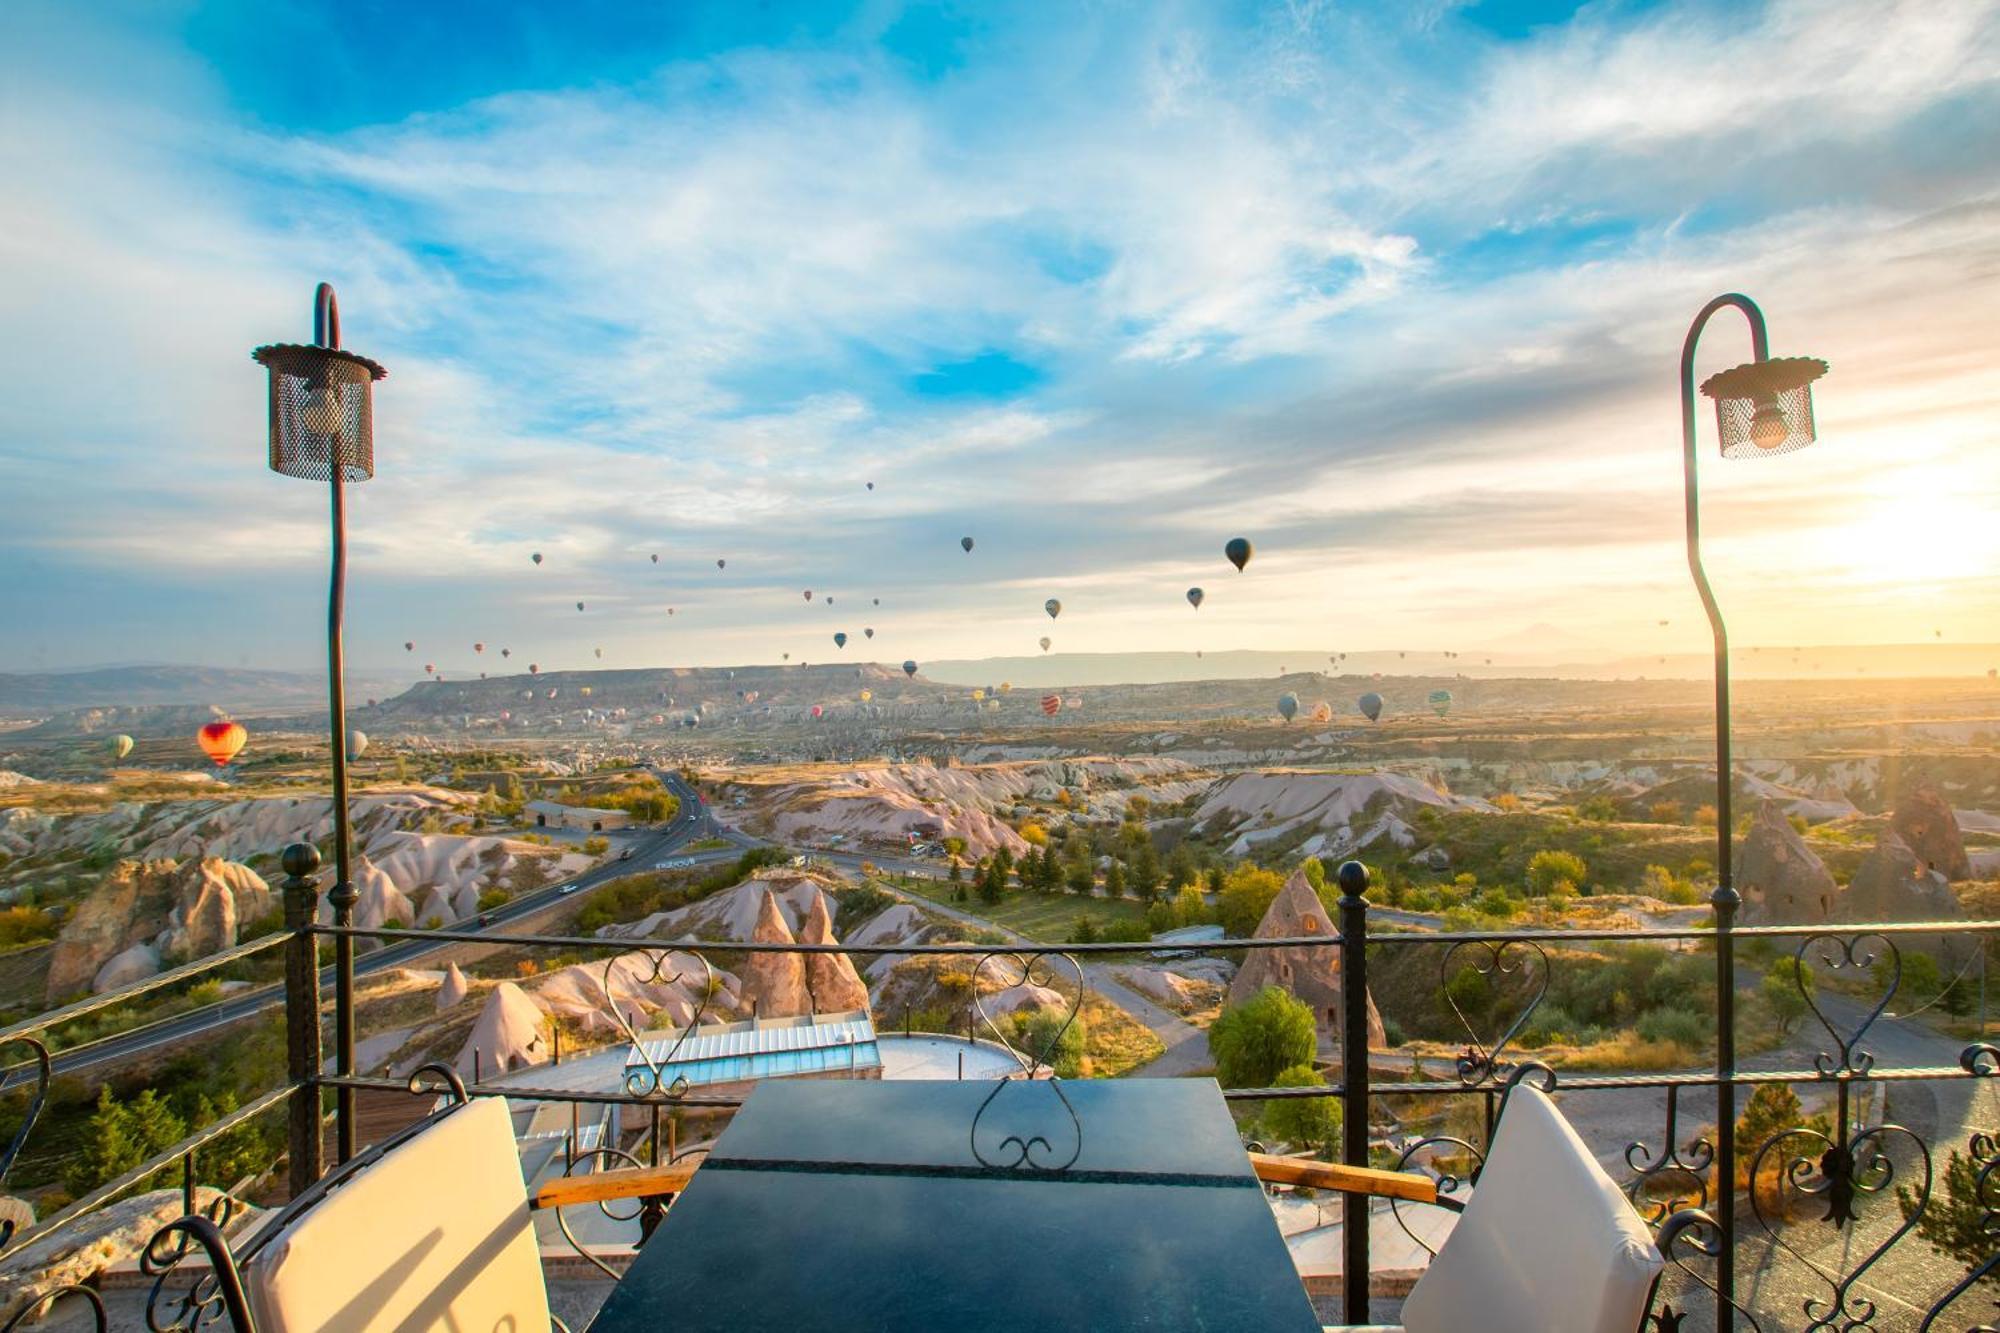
x=435, y=1235
x=1546, y=1243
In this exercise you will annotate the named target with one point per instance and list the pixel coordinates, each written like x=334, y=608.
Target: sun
x=1917, y=536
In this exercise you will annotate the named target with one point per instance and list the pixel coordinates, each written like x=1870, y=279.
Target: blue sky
x=1396, y=291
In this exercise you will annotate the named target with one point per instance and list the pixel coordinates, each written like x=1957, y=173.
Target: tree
x=1036, y=1036
x=1114, y=880
x=1549, y=867
x=1034, y=834
x=1189, y=907
x=1255, y=1041
x=1781, y=990
x=1772, y=1109
x=1312, y=1123
x=1146, y=872
x=1956, y=1220
x=1082, y=876
x=121, y=1136
x=1181, y=869
x=1246, y=895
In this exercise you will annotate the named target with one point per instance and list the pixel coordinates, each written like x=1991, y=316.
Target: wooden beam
x=628, y=1183
x=1346, y=1179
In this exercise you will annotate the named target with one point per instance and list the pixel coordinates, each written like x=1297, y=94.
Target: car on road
x=568, y=889
x=625, y=855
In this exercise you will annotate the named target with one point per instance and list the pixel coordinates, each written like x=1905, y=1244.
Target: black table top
x=837, y=1205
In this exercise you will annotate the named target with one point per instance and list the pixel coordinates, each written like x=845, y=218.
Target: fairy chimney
x=775, y=983
x=1926, y=823
x=1311, y=974
x=1782, y=881
x=836, y=986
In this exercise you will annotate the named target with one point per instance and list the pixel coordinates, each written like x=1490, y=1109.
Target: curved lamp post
x=1762, y=407
x=323, y=429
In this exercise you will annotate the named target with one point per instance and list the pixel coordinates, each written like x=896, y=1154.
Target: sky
x=1395, y=291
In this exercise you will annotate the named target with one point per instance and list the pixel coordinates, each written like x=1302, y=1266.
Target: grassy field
x=1050, y=918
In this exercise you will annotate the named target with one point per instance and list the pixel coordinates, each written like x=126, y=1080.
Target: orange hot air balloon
x=221, y=740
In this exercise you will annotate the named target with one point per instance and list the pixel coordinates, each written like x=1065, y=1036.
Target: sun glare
x=1919, y=536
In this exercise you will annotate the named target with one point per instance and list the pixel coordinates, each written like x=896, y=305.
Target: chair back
x=433, y=1236
x=1546, y=1242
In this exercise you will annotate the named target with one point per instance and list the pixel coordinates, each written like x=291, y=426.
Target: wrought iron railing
x=1870, y=1182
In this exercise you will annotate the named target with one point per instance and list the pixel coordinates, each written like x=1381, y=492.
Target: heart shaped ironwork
x=1492, y=961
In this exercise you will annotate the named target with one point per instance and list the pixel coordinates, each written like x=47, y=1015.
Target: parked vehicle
x=568, y=889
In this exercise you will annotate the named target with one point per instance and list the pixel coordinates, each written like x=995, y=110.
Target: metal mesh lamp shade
x=322, y=411
x=1765, y=408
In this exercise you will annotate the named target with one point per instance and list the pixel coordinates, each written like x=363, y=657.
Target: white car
x=568, y=889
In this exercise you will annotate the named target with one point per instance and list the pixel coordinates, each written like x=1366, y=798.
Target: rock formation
x=1311, y=974
x=453, y=990
x=508, y=1034
x=112, y=1235
x=774, y=983
x=149, y=912
x=1925, y=823
x=836, y=986
x=1894, y=884
x=1782, y=881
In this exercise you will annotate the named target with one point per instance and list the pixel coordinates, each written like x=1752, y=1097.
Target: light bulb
x=1767, y=425
x=322, y=414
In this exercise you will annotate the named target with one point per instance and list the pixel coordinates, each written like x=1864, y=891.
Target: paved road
x=648, y=846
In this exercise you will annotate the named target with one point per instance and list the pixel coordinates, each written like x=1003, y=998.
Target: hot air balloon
x=809, y=594
x=1006, y=687
x=656, y=557
x=506, y=716
x=221, y=740
x=429, y=669
x=357, y=744
x=527, y=694
x=1238, y=551
x=909, y=668
x=1440, y=701
x=1370, y=705
x=1053, y=607
x=534, y=669
x=870, y=485
x=554, y=690
x=1074, y=702
x=1051, y=704
x=866, y=695
x=1194, y=596
x=786, y=656
x=840, y=640
x=536, y=557
x=585, y=691
x=506, y=652
x=816, y=711
x=965, y=542
x=409, y=645
x=878, y=601
x=1288, y=705
x=827, y=600
x=1046, y=641
x=869, y=632
x=121, y=745
x=478, y=647
x=670, y=610
x=721, y=564
x=978, y=695
x=1322, y=711
x=579, y=606
x=599, y=652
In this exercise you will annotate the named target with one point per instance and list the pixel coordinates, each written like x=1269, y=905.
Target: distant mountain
x=235, y=690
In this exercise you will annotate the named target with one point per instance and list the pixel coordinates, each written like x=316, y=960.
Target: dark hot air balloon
x=840, y=640
x=965, y=542
x=870, y=632
x=536, y=557
x=910, y=668
x=1194, y=596
x=409, y=645
x=1440, y=701
x=1370, y=705
x=1239, y=552
x=1288, y=705
x=478, y=647
x=1053, y=607
x=1045, y=642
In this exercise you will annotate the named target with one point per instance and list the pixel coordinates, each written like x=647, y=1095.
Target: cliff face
x=149, y=913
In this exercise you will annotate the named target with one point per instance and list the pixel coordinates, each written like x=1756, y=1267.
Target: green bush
x=1312, y=1123
x=1548, y=868
x=1683, y=1027
x=1255, y=1041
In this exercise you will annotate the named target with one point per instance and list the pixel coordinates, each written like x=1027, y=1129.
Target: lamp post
x=322, y=428
x=1762, y=407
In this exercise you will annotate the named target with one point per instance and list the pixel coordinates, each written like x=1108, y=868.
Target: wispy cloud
x=1394, y=297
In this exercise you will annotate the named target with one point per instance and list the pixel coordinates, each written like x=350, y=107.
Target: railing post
x=1353, y=879
x=1725, y=901
x=302, y=1035
x=343, y=897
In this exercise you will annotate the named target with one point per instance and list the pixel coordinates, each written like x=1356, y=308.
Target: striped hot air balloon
x=1051, y=704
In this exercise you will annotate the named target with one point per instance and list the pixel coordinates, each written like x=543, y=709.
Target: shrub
x=1035, y=1036
x=1312, y=1123
x=1780, y=989
x=1704, y=815
x=1549, y=867
x=1034, y=833
x=596, y=846
x=1597, y=809
x=1507, y=802
x=1246, y=895
x=1682, y=1027
x=1255, y=1041
x=1668, y=812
